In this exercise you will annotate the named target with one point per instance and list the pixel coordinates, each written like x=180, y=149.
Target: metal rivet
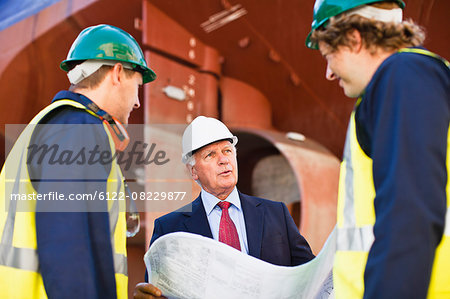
x=191, y=54
x=244, y=42
x=191, y=80
x=190, y=106
x=192, y=42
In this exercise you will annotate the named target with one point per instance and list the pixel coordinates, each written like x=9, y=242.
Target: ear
x=116, y=73
x=355, y=39
x=192, y=172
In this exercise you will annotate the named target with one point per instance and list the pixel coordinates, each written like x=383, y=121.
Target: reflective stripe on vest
x=21, y=226
x=425, y=52
x=356, y=218
x=355, y=238
x=20, y=258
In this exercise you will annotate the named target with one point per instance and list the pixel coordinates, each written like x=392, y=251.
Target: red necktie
x=227, y=230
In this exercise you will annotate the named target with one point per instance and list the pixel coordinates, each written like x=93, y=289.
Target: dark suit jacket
x=272, y=235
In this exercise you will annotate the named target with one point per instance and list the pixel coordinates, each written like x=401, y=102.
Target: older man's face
x=216, y=168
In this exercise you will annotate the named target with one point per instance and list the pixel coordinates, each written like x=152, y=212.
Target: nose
x=330, y=74
x=223, y=159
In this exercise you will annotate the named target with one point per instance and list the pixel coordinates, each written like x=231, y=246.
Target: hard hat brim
x=309, y=43
x=148, y=75
x=233, y=140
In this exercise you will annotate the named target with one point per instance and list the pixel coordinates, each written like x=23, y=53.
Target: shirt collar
x=77, y=97
x=210, y=201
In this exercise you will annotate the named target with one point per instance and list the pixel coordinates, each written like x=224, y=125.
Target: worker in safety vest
x=393, y=222
x=59, y=237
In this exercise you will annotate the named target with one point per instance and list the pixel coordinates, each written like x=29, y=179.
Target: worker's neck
x=370, y=61
x=97, y=95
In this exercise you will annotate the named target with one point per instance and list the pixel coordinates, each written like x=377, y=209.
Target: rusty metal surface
x=316, y=170
x=164, y=34
x=264, y=48
x=31, y=50
x=302, y=100
x=244, y=105
x=200, y=90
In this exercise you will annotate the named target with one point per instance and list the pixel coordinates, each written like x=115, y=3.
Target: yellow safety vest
x=356, y=218
x=19, y=263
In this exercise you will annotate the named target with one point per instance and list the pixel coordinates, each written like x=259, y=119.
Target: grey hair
x=190, y=160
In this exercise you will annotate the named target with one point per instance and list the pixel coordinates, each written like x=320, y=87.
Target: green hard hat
x=106, y=42
x=325, y=9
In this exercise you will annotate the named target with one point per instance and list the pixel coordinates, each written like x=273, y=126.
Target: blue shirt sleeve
x=403, y=123
x=74, y=248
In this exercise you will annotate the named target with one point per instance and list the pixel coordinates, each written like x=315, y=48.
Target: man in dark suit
x=255, y=226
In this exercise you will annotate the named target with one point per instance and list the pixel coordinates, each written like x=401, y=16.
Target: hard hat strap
x=384, y=15
x=88, y=67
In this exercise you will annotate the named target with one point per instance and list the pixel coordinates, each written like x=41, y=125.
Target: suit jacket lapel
x=254, y=222
x=196, y=221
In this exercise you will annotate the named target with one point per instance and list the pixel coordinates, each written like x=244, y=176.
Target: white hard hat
x=203, y=131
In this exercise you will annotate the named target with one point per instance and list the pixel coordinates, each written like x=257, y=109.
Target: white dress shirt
x=213, y=213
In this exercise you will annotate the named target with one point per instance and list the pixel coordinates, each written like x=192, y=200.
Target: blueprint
x=185, y=265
